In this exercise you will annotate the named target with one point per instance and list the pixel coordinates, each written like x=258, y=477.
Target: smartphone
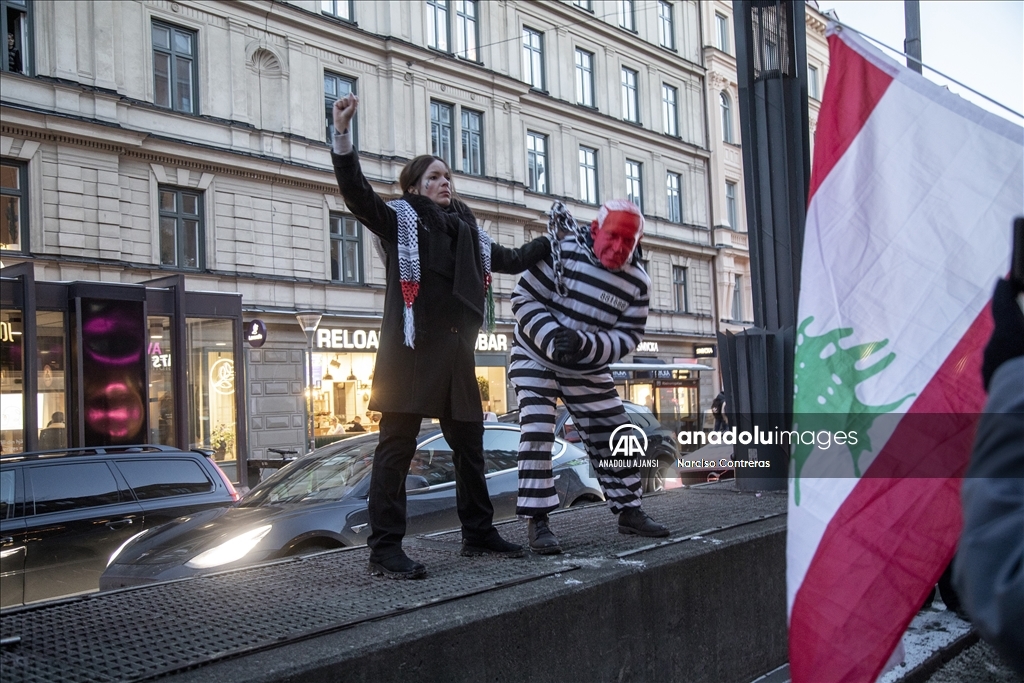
x=1017, y=260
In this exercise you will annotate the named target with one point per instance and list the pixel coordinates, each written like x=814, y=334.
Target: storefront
x=97, y=364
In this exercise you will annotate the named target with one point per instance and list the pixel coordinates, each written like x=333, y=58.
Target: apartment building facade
x=156, y=141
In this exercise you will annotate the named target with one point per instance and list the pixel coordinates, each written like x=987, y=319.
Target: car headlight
x=229, y=551
x=125, y=545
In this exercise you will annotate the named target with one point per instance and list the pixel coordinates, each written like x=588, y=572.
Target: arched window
x=726, y=118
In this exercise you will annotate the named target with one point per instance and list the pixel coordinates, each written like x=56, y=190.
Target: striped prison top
x=608, y=309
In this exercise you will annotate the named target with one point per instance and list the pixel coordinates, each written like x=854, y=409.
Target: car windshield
x=317, y=479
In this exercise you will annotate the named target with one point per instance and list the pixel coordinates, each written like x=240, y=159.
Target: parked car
x=318, y=502
x=63, y=513
x=661, y=442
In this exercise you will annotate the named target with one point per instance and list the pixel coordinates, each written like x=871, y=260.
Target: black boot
x=542, y=540
x=494, y=545
x=635, y=521
x=397, y=567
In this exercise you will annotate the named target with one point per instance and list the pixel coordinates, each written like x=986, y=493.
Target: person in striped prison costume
x=578, y=311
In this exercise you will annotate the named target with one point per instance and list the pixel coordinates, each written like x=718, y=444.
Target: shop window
x=13, y=206
x=12, y=396
x=492, y=382
x=175, y=71
x=346, y=249
x=161, y=381
x=17, y=26
x=51, y=398
x=181, y=228
x=212, y=385
x=342, y=383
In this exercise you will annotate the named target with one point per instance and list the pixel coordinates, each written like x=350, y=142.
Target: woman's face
x=435, y=184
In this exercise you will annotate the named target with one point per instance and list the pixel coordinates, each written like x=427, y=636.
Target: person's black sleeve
x=360, y=199
x=505, y=260
x=1007, y=340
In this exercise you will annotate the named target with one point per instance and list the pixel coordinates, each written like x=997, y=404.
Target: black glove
x=1007, y=339
x=567, y=345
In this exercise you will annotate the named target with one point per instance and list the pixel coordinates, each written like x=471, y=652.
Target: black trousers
x=387, y=507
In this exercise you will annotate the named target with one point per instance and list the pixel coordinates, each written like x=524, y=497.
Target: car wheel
x=584, y=500
x=654, y=482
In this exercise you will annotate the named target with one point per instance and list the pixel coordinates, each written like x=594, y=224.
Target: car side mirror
x=415, y=482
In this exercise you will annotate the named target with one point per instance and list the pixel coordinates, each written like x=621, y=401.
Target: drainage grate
x=593, y=532
x=141, y=633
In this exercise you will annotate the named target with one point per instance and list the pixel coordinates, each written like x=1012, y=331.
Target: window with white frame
x=722, y=31
x=466, y=39
x=635, y=183
x=441, y=115
x=437, y=24
x=584, y=78
x=181, y=228
x=175, y=72
x=630, y=98
x=679, y=285
x=812, y=82
x=336, y=86
x=533, y=57
x=666, y=25
x=673, y=186
x=737, y=298
x=346, y=249
x=588, y=175
x=16, y=16
x=337, y=8
x=669, y=110
x=472, y=142
x=584, y=4
x=537, y=161
x=726, y=106
x=730, y=205
x=627, y=14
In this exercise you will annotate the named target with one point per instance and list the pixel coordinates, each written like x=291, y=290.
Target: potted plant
x=223, y=440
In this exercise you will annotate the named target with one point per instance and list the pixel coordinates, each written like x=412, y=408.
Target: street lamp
x=309, y=322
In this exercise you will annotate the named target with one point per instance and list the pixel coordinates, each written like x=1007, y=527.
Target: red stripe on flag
x=892, y=537
x=861, y=85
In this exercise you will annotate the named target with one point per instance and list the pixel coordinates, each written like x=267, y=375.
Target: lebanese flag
x=912, y=197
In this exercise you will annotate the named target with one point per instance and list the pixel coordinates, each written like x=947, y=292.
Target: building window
x=675, y=197
x=13, y=206
x=17, y=18
x=181, y=228
x=722, y=29
x=666, y=27
x=730, y=205
x=336, y=86
x=669, y=110
x=584, y=4
x=630, y=100
x=812, y=82
x=441, y=131
x=175, y=73
x=472, y=142
x=341, y=9
x=584, y=78
x=466, y=29
x=437, y=24
x=627, y=15
x=533, y=58
x=737, y=298
x=588, y=175
x=635, y=183
x=346, y=249
x=679, y=285
x=537, y=161
x=726, y=117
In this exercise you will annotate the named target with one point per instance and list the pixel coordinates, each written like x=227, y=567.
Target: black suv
x=64, y=513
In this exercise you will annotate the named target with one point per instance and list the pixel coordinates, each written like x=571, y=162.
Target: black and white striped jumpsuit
x=610, y=309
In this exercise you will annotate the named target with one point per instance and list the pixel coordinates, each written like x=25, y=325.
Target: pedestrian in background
x=718, y=412
x=438, y=268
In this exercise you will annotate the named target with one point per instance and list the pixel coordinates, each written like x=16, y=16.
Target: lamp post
x=309, y=322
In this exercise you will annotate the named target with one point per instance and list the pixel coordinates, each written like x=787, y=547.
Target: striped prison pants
x=596, y=411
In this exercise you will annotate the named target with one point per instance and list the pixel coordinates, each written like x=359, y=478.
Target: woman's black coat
x=437, y=378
